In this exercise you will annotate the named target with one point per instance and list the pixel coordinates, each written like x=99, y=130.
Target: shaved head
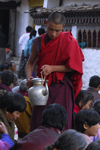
x=56, y=18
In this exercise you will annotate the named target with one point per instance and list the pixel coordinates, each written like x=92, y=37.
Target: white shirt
x=23, y=39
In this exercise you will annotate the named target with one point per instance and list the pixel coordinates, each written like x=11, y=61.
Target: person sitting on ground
x=87, y=122
x=69, y=139
x=4, y=67
x=5, y=142
x=83, y=100
x=7, y=80
x=94, y=86
x=96, y=107
x=11, y=104
x=8, y=53
x=23, y=122
x=12, y=66
x=54, y=119
x=94, y=145
x=41, y=31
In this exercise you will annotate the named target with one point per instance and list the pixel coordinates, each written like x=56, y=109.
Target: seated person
x=94, y=145
x=8, y=53
x=23, y=122
x=69, y=139
x=87, y=122
x=7, y=80
x=11, y=104
x=12, y=66
x=5, y=142
x=96, y=107
x=4, y=67
x=94, y=86
x=84, y=100
x=54, y=119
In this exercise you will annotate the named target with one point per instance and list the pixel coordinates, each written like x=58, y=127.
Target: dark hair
x=41, y=31
x=86, y=116
x=7, y=77
x=84, y=96
x=8, y=46
x=96, y=106
x=3, y=66
x=10, y=64
x=69, y=139
x=55, y=116
x=12, y=101
x=94, y=81
x=0, y=28
x=28, y=29
x=94, y=145
x=56, y=18
x=23, y=87
x=32, y=33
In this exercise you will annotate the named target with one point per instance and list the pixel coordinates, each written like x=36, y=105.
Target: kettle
x=38, y=93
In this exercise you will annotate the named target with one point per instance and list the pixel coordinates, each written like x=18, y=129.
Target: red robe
x=37, y=139
x=64, y=50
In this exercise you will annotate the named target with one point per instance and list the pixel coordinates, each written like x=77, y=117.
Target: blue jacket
x=28, y=46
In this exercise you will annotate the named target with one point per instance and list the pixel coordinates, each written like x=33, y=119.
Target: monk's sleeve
x=74, y=56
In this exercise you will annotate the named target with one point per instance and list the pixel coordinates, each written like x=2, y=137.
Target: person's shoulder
x=37, y=39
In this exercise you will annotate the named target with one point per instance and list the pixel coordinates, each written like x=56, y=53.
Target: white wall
x=51, y=3
x=22, y=21
x=91, y=65
x=67, y=2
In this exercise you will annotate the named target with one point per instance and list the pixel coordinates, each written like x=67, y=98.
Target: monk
x=60, y=60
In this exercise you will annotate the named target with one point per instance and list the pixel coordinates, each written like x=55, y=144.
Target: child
x=94, y=86
x=84, y=100
x=87, y=122
x=8, y=53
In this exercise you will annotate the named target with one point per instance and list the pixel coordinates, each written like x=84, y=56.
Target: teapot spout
x=46, y=91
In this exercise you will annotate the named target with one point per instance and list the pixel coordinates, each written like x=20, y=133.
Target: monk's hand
x=29, y=83
x=46, y=69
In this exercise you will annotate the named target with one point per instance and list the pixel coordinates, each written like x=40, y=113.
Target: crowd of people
x=71, y=118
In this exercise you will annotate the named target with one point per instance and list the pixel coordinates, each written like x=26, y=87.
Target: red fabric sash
x=63, y=50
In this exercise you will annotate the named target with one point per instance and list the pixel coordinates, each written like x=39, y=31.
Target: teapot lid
x=36, y=80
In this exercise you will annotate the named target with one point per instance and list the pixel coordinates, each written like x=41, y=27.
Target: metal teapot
x=38, y=93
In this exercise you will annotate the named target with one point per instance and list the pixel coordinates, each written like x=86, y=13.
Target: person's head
x=69, y=139
x=56, y=21
x=86, y=121
x=23, y=87
x=32, y=33
x=12, y=66
x=7, y=77
x=11, y=104
x=4, y=67
x=54, y=116
x=95, y=82
x=96, y=106
x=41, y=31
x=94, y=145
x=84, y=99
x=28, y=29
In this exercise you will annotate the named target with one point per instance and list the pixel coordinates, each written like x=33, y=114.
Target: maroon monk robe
x=64, y=50
x=37, y=139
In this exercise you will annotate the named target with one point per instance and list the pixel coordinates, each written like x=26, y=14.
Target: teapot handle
x=42, y=78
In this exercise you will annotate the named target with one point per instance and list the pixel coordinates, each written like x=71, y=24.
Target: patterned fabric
x=94, y=92
x=9, y=126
